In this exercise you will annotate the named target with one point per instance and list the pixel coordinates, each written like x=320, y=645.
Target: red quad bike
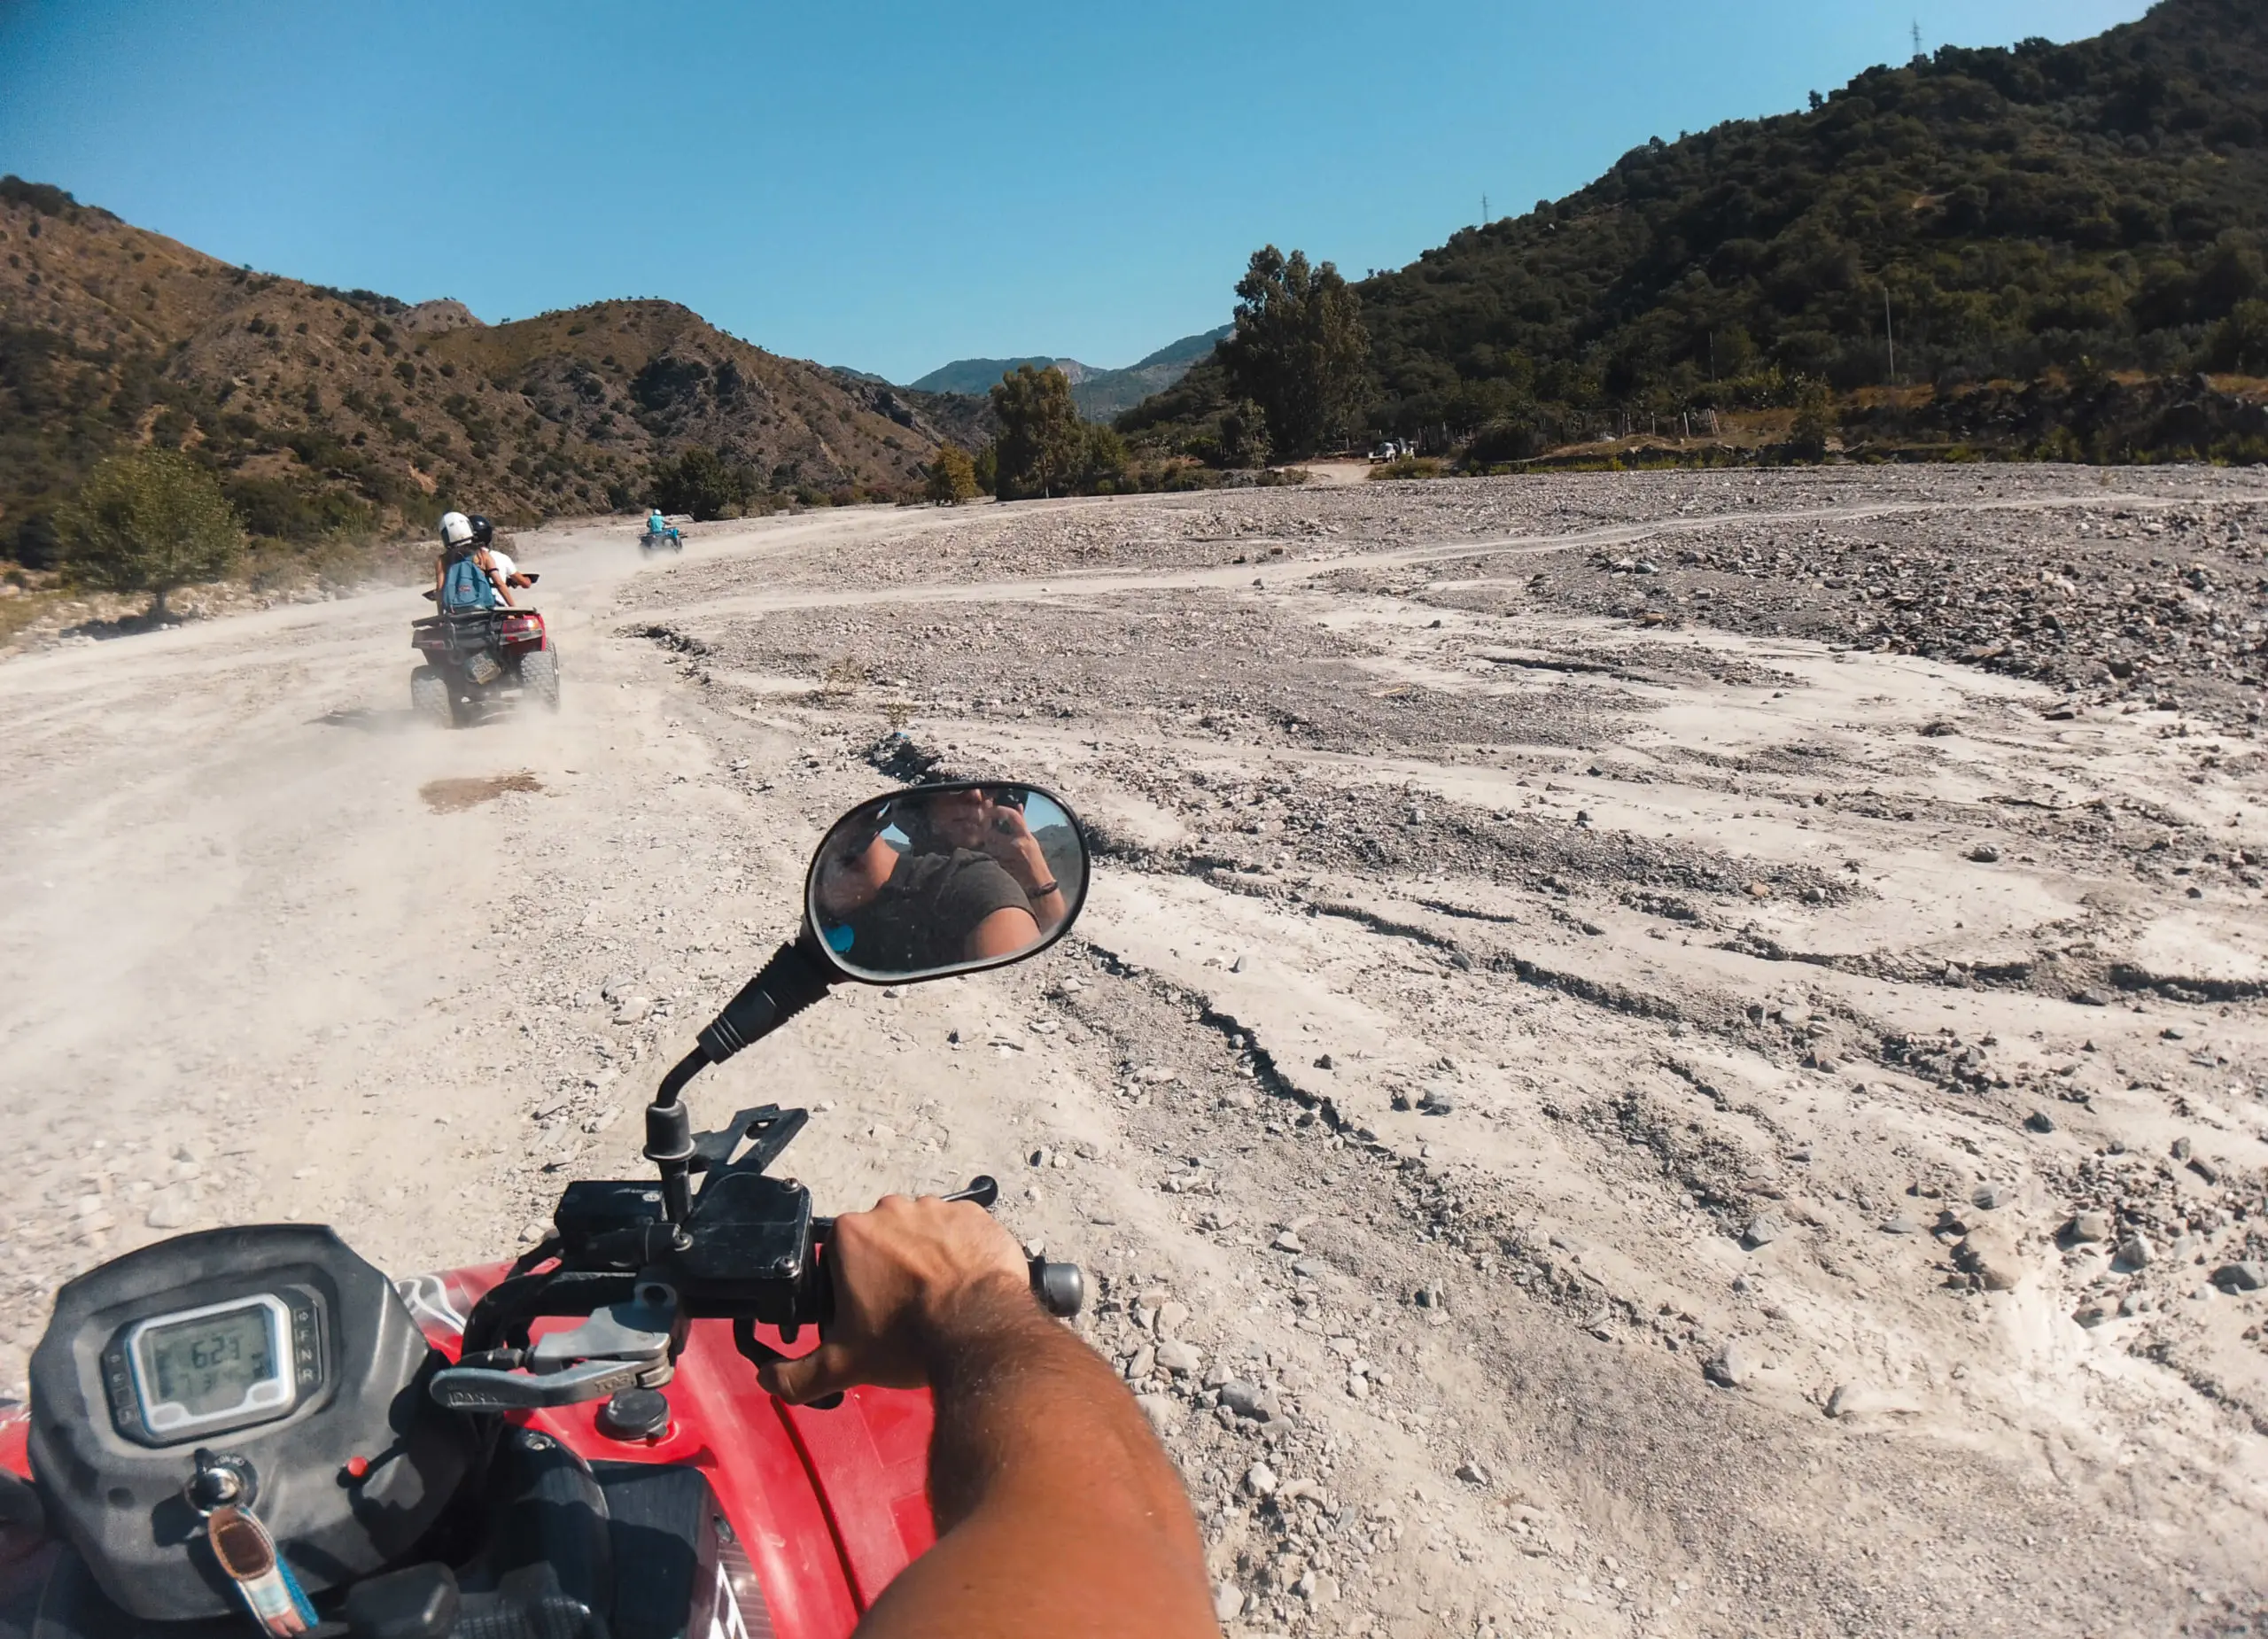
x=252, y=1429
x=473, y=657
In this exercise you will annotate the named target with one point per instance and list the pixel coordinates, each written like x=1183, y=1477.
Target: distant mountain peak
x=1100, y=394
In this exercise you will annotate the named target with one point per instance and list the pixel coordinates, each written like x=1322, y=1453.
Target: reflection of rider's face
x=956, y=817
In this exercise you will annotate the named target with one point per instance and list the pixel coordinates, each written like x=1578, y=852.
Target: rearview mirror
x=945, y=879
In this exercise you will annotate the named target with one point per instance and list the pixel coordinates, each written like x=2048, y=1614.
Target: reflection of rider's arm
x=851, y=879
x=1047, y=909
x=1007, y=931
x=1010, y=841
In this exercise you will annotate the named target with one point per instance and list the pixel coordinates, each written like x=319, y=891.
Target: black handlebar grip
x=1062, y=1288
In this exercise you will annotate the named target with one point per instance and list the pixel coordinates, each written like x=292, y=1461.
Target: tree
x=1299, y=350
x=952, y=476
x=1102, y=461
x=1042, y=444
x=2239, y=342
x=699, y=482
x=149, y=520
x=1814, y=420
x=1244, y=436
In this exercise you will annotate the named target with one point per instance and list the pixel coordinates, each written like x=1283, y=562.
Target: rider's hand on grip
x=906, y=1276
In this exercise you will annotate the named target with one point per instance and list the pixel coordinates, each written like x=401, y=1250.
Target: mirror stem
x=786, y=984
x=669, y=1136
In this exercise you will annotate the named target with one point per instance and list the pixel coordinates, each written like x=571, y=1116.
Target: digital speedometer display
x=210, y=1364
x=244, y=1360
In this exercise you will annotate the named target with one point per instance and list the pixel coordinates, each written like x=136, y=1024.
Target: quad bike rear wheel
x=540, y=676
x=429, y=697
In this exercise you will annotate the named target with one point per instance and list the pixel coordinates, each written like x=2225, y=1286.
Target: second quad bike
x=254, y=1423
x=475, y=658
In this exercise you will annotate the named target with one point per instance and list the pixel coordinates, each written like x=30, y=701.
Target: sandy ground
x=1588, y=1119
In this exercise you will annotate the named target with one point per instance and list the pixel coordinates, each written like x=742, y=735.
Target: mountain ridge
x=2025, y=210
x=326, y=410
x=1100, y=394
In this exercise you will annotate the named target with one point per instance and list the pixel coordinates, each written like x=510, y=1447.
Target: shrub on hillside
x=1814, y=420
x=2239, y=343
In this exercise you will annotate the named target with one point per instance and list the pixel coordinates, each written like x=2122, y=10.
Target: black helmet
x=484, y=532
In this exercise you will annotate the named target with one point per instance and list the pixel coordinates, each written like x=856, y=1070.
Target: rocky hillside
x=2016, y=214
x=343, y=410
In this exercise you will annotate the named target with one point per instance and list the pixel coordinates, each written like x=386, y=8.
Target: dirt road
x=1588, y=1119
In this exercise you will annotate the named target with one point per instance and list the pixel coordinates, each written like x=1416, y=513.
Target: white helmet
x=456, y=529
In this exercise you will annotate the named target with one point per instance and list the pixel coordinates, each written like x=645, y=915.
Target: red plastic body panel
x=15, y=1437
x=829, y=1506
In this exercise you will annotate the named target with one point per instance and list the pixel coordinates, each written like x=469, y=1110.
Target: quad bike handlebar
x=715, y=1236
x=638, y=1286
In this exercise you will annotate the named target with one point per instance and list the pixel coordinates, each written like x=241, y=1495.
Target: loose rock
x=1732, y=1366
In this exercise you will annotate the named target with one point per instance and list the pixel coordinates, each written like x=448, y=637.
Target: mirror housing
x=935, y=881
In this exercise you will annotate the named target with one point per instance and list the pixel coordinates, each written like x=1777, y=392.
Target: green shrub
x=150, y=520
x=1814, y=420
x=951, y=477
x=700, y=482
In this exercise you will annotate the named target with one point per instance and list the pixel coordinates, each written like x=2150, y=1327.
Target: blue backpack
x=466, y=584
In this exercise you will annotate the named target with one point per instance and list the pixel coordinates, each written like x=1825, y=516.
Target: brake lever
x=479, y=1388
x=626, y=1345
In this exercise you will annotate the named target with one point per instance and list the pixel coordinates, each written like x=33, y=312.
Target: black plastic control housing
x=117, y=1497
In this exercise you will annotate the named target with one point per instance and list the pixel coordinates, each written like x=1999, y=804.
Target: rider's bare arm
x=1057, y=1510
x=496, y=579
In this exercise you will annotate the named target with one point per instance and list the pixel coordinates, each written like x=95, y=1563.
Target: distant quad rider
x=466, y=577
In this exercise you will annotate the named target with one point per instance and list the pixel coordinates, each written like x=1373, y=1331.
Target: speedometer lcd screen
x=210, y=1364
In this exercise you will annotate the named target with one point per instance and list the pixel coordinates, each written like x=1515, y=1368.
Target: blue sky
x=888, y=185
